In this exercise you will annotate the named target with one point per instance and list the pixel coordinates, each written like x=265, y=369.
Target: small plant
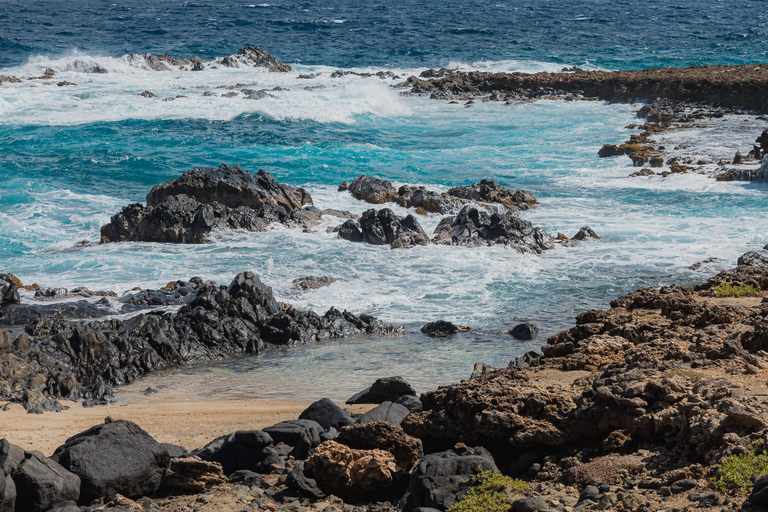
x=602, y=470
x=735, y=290
x=489, y=491
x=734, y=473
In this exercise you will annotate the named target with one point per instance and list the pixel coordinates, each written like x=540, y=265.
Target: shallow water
x=74, y=155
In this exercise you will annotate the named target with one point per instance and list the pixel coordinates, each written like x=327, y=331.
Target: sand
x=189, y=423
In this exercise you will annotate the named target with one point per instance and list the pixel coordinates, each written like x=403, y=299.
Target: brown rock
x=192, y=474
x=383, y=436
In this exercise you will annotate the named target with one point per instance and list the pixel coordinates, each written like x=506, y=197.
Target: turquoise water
x=73, y=156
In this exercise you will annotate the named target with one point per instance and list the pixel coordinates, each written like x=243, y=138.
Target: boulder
x=584, y=233
x=372, y=190
x=759, y=494
x=383, y=436
x=192, y=474
x=41, y=484
x=473, y=227
x=258, y=57
x=243, y=449
x=753, y=259
x=302, y=484
x=302, y=435
x=8, y=502
x=111, y=458
x=436, y=481
x=353, y=474
x=412, y=402
x=443, y=328
x=350, y=231
x=9, y=293
x=524, y=331
x=383, y=227
x=10, y=457
x=327, y=414
x=383, y=390
x=388, y=411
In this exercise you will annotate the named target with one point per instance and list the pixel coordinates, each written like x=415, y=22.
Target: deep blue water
x=72, y=156
x=406, y=33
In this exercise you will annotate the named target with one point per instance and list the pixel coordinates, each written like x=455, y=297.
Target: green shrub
x=734, y=473
x=487, y=493
x=735, y=290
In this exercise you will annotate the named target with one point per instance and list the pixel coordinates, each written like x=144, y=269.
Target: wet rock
x=387, y=411
x=258, y=57
x=443, y=328
x=436, y=481
x=383, y=227
x=381, y=435
x=9, y=293
x=350, y=230
x=524, y=331
x=192, y=474
x=473, y=227
x=352, y=474
x=42, y=484
x=111, y=458
x=584, y=233
x=244, y=449
x=383, y=390
x=753, y=259
x=489, y=191
x=313, y=282
x=187, y=209
x=372, y=190
x=326, y=413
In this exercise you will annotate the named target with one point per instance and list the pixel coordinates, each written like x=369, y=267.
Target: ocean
x=73, y=155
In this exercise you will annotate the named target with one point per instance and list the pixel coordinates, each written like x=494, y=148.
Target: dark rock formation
x=111, y=458
x=302, y=435
x=437, y=479
x=379, y=191
x=584, y=233
x=730, y=86
x=754, y=259
x=443, y=328
x=9, y=293
x=76, y=360
x=383, y=390
x=474, y=227
x=383, y=227
x=241, y=450
x=301, y=483
x=411, y=402
x=246, y=57
x=388, y=411
x=42, y=484
x=186, y=210
x=524, y=331
x=314, y=282
x=326, y=413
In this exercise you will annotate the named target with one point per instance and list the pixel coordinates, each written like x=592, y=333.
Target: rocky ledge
x=53, y=358
x=729, y=86
x=378, y=191
x=187, y=209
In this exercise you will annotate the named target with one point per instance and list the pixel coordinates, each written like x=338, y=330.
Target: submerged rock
x=187, y=209
x=474, y=227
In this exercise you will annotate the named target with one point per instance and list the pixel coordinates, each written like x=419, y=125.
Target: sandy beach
x=189, y=423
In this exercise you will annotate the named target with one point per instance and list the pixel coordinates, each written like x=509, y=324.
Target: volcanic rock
x=241, y=450
x=524, y=331
x=383, y=436
x=192, y=474
x=443, y=328
x=754, y=259
x=383, y=390
x=42, y=484
x=327, y=414
x=389, y=412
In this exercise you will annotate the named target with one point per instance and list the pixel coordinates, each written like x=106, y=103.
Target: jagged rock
x=383, y=227
x=753, y=259
x=187, y=209
x=584, y=233
x=437, y=479
x=443, y=328
x=352, y=474
x=9, y=293
x=111, y=458
x=524, y=331
x=381, y=435
x=350, y=230
x=384, y=389
x=192, y=474
x=372, y=190
x=327, y=414
x=41, y=484
x=244, y=449
x=302, y=484
x=258, y=57
x=387, y=411
x=473, y=227
x=302, y=435
x=489, y=191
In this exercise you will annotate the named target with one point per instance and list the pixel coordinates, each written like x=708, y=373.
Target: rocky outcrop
x=381, y=435
x=354, y=475
x=111, y=458
x=474, y=227
x=383, y=227
x=187, y=209
x=72, y=359
x=379, y=191
x=730, y=86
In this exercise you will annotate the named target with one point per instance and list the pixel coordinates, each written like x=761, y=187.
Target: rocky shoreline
x=640, y=407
